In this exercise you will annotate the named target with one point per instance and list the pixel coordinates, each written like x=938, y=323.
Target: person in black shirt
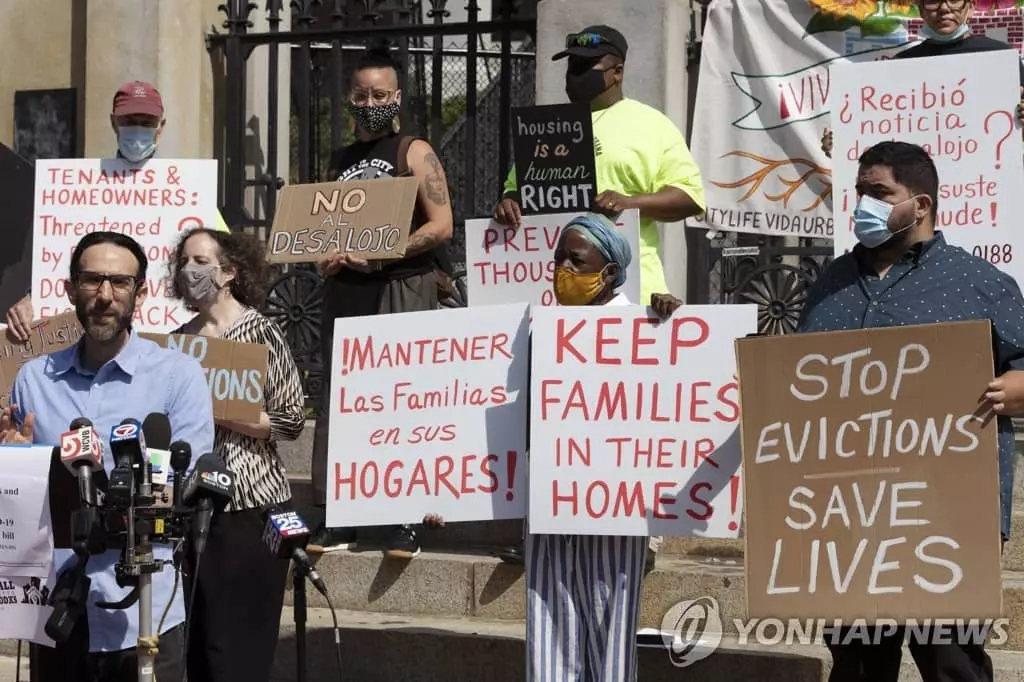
x=354, y=287
x=946, y=31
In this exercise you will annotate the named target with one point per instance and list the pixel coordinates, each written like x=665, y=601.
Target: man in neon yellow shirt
x=137, y=118
x=641, y=157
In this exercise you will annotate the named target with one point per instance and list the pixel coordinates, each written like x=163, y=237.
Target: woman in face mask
x=223, y=278
x=946, y=31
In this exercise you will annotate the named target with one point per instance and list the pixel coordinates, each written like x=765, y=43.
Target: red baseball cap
x=137, y=97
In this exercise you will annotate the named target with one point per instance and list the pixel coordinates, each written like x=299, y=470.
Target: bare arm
x=432, y=197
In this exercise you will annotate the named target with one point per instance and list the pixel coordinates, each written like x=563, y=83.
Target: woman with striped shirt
x=239, y=588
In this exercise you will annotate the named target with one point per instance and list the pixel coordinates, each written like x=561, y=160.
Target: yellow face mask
x=574, y=288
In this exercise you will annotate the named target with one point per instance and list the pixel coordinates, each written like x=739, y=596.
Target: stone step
x=480, y=586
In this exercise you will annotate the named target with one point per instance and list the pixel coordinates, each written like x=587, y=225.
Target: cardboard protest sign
x=428, y=414
x=963, y=114
x=369, y=219
x=509, y=265
x=553, y=146
x=871, y=486
x=236, y=372
x=152, y=203
x=50, y=336
x=634, y=421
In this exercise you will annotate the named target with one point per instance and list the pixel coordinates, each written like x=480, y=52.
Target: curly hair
x=243, y=253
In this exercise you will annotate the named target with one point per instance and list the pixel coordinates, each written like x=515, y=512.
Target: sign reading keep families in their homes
x=368, y=219
x=236, y=372
x=50, y=336
x=963, y=112
x=858, y=450
x=515, y=265
x=428, y=415
x=634, y=425
x=152, y=203
x=553, y=146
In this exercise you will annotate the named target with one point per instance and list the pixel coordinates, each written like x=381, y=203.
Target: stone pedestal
x=656, y=31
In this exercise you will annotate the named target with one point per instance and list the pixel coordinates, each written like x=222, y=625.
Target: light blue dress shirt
x=141, y=379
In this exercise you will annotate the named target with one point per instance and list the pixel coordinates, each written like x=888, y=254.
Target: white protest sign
x=23, y=609
x=634, y=421
x=510, y=265
x=962, y=111
x=26, y=537
x=428, y=415
x=153, y=203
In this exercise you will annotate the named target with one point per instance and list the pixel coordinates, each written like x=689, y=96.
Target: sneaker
x=326, y=539
x=512, y=555
x=402, y=544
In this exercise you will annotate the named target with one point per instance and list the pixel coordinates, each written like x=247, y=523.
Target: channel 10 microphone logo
x=217, y=479
x=289, y=524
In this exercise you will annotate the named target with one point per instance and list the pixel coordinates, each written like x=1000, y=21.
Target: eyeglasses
x=379, y=97
x=92, y=281
x=584, y=40
x=955, y=5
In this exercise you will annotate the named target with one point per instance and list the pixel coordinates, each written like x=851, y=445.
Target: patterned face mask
x=374, y=119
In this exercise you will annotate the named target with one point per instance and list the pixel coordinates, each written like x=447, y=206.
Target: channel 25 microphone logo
x=692, y=631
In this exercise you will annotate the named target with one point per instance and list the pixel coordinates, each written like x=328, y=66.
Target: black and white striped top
x=260, y=477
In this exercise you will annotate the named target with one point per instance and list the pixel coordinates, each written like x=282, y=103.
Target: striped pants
x=582, y=607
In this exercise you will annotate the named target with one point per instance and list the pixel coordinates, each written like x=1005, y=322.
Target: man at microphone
x=110, y=374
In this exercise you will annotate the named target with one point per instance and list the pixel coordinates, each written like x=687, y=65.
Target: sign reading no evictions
x=368, y=219
x=554, y=152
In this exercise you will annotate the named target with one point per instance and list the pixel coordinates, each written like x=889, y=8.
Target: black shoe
x=649, y=560
x=402, y=544
x=326, y=539
x=512, y=555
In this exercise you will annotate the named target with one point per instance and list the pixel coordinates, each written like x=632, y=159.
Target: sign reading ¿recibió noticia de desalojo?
x=368, y=219
x=553, y=147
x=871, y=486
x=235, y=371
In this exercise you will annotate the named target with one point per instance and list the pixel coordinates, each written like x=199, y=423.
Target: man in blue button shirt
x=110, y=374
x=904, y=273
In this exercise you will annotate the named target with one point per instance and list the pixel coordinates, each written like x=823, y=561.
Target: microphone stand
x=299, y=612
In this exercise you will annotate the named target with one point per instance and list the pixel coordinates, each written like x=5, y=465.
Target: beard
x=105, y=328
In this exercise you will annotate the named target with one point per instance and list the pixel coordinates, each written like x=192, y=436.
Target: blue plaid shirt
x=933, y=282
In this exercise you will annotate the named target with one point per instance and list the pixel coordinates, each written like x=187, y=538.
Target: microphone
x=181, y=457
x=286, y=536
x=156, y=428
x=81, y=452
x=209, y=484
x=127, y=445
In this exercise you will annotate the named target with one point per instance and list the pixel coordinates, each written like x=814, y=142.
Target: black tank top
x=369, y=161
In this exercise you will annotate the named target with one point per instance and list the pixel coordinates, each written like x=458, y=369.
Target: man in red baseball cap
x=138, y=119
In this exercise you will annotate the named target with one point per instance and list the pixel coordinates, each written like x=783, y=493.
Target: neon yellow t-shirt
x=220, y=225
x=639, y=150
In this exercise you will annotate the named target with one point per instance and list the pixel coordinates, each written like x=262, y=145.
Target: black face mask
x=584, y=86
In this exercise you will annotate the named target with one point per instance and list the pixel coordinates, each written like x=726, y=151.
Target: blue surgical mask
x=136, y=143
x=927, y=32
x=871, y=221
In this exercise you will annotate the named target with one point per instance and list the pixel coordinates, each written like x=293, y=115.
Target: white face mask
x=136, y=143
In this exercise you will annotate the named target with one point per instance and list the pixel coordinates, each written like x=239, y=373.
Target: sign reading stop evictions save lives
x=152, y=202
x=871, y=482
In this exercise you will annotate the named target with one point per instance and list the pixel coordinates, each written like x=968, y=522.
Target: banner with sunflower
x=762, y=100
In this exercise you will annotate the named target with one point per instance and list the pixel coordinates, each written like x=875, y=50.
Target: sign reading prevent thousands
x=871, y=485
x=368, y=219
x=553, y=147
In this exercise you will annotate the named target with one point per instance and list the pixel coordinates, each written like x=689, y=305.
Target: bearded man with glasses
x=946, y=31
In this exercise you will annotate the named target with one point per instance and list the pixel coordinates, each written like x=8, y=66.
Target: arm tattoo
x=437, y=192
x=420, y=242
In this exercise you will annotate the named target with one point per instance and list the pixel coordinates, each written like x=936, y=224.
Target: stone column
x=656, y=31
